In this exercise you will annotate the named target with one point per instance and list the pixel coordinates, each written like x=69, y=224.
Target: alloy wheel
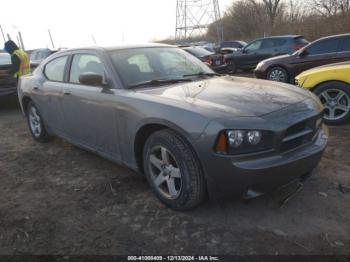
x=277, y=75
x=336, y=103
x=165, y=172
x=34, y=121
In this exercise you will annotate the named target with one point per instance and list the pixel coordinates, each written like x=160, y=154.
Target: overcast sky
x=72, y=22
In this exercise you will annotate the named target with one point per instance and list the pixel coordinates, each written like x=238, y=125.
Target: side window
x=54, y=70
x=346, y=45
x=85, y=63
x=280, y=42
x=324, y=47
x=141, y=62
x=253, y=46
x=268, y=43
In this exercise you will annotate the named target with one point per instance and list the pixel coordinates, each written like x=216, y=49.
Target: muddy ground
x=58, y=199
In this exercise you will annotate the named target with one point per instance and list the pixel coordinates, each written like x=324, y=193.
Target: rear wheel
x=36, y=124
x=335, y=96
x=173, y=171
x=278, y=74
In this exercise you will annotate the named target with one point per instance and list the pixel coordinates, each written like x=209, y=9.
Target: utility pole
x=53, y=45
x=93, y=39
x=21, y=40
x=3, y=35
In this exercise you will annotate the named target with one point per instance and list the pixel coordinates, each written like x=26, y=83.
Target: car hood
x=325, y=68
x=235, y=96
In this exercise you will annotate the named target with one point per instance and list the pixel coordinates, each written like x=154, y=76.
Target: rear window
x=54, y=70
x=346, y=45
x=301, y=41
x=324, y=47
x=5, y=59
x=198, y=51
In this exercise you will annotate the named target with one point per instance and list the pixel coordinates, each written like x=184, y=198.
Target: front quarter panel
x=311, y=80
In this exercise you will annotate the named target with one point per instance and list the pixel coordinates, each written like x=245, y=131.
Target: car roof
x=112, y=48
x=333, y=36
x=280, y=36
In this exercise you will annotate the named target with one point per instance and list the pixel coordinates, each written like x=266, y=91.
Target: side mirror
x=91, y=79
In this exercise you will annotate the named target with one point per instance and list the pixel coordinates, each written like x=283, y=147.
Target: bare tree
x=332, y=7
x=273, y=7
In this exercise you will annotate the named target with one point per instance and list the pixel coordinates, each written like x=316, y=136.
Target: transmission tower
x=193, y=18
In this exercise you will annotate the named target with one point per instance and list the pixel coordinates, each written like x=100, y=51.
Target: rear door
x=90, y=111
x=320, y=53
x=48, y=93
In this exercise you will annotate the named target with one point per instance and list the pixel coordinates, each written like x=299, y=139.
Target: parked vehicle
x=231, y=46
x=263, y=48
x=215, y=61
x=162, y=112
x=38, y=55
x=332, y=85
x=7, y=82
x=324, y=51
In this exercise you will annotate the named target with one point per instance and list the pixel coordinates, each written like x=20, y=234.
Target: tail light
x=208, y=61
x=295, y=47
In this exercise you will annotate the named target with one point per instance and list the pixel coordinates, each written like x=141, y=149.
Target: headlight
x=235, y=138
x=254, y=137
x=259, y=65
x=233, y=142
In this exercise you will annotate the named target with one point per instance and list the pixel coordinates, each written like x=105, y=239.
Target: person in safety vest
x=19, y=59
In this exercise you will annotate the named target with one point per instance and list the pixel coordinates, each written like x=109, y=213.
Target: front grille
x=301, y=133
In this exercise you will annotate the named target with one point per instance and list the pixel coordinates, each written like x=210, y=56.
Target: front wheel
x=173, y=171
x=231, y=67
x=36, y=124
x=278, y=74
x=335, y=96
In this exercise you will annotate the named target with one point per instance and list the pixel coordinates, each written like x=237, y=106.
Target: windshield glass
x=5, y=59
x=139, y=65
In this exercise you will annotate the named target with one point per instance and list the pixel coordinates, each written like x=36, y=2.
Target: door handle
x=36, y=88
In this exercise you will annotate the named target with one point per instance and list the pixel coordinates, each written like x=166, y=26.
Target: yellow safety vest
x=24, y=68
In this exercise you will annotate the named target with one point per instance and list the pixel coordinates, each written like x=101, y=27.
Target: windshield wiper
x=202, y=74
x=156, y=82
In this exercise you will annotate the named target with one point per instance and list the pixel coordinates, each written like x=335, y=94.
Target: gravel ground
x=59, y=199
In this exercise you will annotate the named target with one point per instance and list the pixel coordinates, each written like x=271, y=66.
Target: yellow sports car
x=332, y=85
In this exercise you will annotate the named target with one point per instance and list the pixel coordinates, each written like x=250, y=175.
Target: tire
x=335, y=96
x=231, y=67
x=173, y=171
x=278, y=74
x=36, y=124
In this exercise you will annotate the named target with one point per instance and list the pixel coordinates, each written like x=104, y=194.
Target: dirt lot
x=59, y=199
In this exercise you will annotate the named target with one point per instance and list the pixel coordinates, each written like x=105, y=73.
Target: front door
x=90, y=110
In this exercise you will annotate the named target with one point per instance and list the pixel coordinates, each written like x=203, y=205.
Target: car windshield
x=156, y=65
x=5, y=59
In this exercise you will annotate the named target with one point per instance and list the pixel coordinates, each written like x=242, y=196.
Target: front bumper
x=228, y=176
x=260, y=74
